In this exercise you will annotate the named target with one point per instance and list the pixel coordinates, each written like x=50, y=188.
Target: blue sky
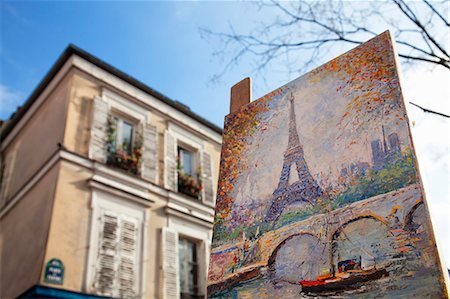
x=159, y=43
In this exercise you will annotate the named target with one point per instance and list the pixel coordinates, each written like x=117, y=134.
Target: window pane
x=127, y=136
x=182, y=264
x=191, y=252
x=114, y=126
x=187, y=162
x=192, y=274
x=188, y=266
x=185, y=159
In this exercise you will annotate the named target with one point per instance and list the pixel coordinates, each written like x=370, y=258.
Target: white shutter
x=149, y=164
x=170, y=162
x=203, y=261
x=127, y=272
x=207, y=181
x=97, y=146
x=117, y=266
x=107, y=252
x=169, y=252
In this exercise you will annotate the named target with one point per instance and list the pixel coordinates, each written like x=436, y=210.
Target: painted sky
x=160, y=44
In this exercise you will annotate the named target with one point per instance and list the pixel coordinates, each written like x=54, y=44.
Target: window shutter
x=107, y=252
x=169, y=251
x=117, y=267
x=127, y=272
x=7, y=168
x=149, y=164
x=4, y=177
x=207, y=181
x=170, y=162
x=97, y=146
x=203, y=260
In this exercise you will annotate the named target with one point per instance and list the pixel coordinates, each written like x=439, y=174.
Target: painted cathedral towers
x=384, y=151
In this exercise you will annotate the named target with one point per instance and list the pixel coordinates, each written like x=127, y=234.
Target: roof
x=74, y=50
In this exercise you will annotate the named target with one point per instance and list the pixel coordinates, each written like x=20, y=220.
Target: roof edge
x=72, y=49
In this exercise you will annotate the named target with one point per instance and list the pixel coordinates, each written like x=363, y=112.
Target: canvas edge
x=436, y=243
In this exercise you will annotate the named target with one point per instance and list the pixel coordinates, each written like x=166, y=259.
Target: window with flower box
x=187, y=165
x=189, y=174
x=123, y=136
x=124, y=144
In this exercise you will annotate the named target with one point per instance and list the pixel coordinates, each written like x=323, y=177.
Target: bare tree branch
x=430, y=111
x=407, y=11
x=312, y=28
x=437, y=13
x=425, y=60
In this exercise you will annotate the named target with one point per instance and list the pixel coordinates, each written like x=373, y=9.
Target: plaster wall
x=37, y=141
x=157, y=220
x=23, y=237
x=82, y=91
x=69, y=229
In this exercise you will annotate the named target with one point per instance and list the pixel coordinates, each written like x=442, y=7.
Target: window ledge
x=186, y=204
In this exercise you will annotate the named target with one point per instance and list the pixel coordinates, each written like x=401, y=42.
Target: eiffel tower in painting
x=305, y=189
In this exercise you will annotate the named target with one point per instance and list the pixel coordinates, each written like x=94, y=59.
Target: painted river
x=401, y=286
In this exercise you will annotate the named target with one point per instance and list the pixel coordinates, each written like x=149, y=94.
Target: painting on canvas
x=319, y=193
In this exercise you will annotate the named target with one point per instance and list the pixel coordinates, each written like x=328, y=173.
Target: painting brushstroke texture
x=319, y=193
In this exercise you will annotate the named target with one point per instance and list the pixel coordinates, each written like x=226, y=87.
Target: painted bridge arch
x=299, y=256
x=382, y=210
x=272, y=257
x=282, y=235
x=365, y=239
x=409, y=217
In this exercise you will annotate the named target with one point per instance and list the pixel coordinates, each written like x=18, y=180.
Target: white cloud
x=9, y=100
x=14, y=12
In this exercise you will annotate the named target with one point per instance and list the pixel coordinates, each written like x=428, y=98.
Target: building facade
x=107, y=189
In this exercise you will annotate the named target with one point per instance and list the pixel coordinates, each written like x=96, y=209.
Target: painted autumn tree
x=367, y=77
x=239, y=128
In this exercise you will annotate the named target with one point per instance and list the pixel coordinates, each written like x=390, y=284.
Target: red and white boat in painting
x=349, y=276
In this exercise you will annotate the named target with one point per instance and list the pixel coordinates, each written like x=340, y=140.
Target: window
x=124, y=144
x=189, y=175
x=115, y=256
x=188, y=267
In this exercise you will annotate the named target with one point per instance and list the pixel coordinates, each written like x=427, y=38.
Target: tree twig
x=430, y=111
